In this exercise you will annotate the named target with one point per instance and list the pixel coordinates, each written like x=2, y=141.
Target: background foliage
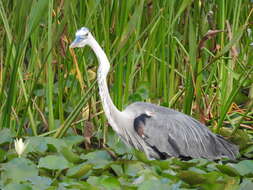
x=191, y=55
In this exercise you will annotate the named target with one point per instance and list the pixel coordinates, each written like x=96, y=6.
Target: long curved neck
x=111, y=112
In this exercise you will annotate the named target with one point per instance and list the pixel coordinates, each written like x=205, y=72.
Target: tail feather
x=227, y=149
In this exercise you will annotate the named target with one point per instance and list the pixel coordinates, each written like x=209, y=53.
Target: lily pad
x=73, y=140
x=117, y=169
x=5, y=135
x=111, y=183
x=16, y=186
x=246, y=185
x=2, y=155
x=105, y=182
x=79, y=171
x=69, y=155
x=116, y=144
x=37, y=144
x=226, y=169
x=74, y=185
x=19, y=169
x=40, y=183
x=132, y=168
x=191, y=177
x=53, y=162
x=244, y=167
x=154, y=184
x=98, y=158
x=248, y=152
x=56, y=143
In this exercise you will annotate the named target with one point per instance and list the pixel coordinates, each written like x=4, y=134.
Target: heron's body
x=177, y=135
x=158, y=131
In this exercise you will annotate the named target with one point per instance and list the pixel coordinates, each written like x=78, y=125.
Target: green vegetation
x=191, y=55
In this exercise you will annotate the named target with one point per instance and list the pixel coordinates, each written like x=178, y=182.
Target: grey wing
x=173, y=134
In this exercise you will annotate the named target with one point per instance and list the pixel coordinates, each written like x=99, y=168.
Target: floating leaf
x=99, y=158
x=244, y=167
x=163, y=164
x=56, y=143
x=5, y=135
x=116, y=144
x=69, y=155
x=104, y=182
x=40, y=183
x=191, y=177
x=247, y=184
x=74, y=185
x=73, y=140
x=2, y=155
x=111, y=183
x=132, y=168
x=248, y=152
x=226, y=169
x=19, y=169
x=79, y=171
x=184, y=164
x=17, y=186
x=117, y=169
x=53, y=162
x=153, y=184
x=140, y=156
x=96, y=181
x=37, y=144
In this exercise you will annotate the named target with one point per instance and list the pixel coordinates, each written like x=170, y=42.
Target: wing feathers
x=183, y=137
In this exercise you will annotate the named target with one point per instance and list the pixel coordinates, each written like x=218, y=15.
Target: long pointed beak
x=76, y=43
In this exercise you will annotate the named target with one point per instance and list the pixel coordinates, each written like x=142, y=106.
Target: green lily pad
x=2, y=155
x=132, y=168
x=37, y=144
x=56, y=143
x=69, y=155
x=226, y=169
x=244, y=167
x=111, y=183
x=53, y=162
x=19, y=169
x=96, y=181
x=246, y=184
x=75, y=185
x=154, y=184
x=105, y=182
x=79, y=171
x=73, y=140
x=16, y=186
x=116, y=144
x=117, y=169
x=163, y=164
x=6, y=136
x=248, y=152
x=99, y=159
x=140, y=156
x=191, y=177
x=40, y=183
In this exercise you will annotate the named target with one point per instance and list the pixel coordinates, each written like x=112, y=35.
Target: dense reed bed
x=192, y=56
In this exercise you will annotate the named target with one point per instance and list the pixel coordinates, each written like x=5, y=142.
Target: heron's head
x=82, y=38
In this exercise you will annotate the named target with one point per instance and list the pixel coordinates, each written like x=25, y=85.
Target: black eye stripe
x=82, y=36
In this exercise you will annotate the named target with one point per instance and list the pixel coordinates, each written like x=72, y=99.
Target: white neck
x=111, y=112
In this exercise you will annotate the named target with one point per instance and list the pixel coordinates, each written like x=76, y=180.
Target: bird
x=160, y=132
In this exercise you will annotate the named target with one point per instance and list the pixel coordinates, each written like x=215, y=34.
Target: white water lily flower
x=20, y=146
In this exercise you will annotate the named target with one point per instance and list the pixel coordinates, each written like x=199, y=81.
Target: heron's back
x=172, y=133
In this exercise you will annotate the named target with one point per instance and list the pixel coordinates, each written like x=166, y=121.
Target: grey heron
x=158, y=131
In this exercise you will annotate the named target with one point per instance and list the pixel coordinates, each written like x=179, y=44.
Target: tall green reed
x=154, y=49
